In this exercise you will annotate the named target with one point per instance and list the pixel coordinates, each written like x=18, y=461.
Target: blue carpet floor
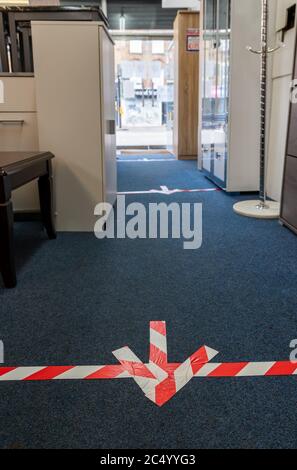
x=79, y=298
x=143, y=176
x=145, y=157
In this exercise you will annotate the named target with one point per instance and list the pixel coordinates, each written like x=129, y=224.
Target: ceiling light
x=122, y=21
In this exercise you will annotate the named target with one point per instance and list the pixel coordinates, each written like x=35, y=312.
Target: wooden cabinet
x=75, y=93
x=3, y=50
x=292, y=131
x=289, y=196
x=18, y=130
x=186, y=44
x=289, y=192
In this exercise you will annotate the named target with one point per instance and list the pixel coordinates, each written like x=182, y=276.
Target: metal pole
x=264, y=54
x=119, y=101
x=104, y=6
x=143, y=98
x=153, y=94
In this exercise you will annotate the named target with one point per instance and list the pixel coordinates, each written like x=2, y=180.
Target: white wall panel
x=278, y=135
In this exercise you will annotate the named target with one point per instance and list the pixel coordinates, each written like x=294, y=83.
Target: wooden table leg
x=46, y=202
x=7, y=261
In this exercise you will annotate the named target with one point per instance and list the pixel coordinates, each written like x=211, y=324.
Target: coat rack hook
x=276, y=48
x=250, y=49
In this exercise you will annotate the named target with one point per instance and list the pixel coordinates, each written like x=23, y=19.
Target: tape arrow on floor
x=159, y=380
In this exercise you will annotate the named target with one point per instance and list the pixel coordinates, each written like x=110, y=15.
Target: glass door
x=209, y=83
x=222, y=91
x=144, y=92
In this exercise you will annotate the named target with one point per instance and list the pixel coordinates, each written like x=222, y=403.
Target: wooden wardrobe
x=289, y=193
x=186, y=88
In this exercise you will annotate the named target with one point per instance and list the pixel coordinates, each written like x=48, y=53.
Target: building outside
x=144, y=84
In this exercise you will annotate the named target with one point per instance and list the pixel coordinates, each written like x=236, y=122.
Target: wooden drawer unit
x=19, y=131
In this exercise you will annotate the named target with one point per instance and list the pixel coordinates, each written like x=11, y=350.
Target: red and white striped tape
x=159, y=380
x=141, y=373
x=158, y=343
x=168, y=192
x=224, y=370
x=181, y=375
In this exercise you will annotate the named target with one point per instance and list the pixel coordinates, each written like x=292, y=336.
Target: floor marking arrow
x=141, y=373
x=159, y=380
x=178, y=378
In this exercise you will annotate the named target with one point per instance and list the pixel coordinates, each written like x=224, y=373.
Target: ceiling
x=139, y=14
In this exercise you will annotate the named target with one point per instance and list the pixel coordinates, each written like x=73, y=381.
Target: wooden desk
x=17, y=169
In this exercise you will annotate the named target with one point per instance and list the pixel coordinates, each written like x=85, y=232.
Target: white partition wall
x=74, y=78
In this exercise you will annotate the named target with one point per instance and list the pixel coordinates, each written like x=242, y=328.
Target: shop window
x=158, y=47
x=135, y=47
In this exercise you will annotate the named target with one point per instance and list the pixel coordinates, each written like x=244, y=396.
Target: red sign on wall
x=193, y=40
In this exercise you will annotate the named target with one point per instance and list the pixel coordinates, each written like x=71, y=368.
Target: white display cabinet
x=230, y=130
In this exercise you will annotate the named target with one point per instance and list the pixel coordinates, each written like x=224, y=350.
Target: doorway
x=144, y=65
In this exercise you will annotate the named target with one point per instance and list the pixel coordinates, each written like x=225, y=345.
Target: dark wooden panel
x=289, y=192
x=17, y=169
x=27, y=173
x=3, y=51
x=292, y=132
x=289, y=199
x=292, y=126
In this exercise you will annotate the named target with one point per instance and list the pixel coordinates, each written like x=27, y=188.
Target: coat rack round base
x=263, y=208
x=256, y=209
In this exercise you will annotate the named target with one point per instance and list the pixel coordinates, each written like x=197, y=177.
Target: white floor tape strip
x=168, y=192
x=147, y=160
